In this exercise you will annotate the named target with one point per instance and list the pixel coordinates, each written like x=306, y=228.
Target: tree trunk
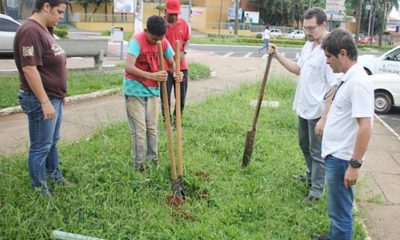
x=384, y=20
x=359, y=13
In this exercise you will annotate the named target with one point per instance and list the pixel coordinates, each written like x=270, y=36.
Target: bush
x=198, y=71
x=61, y=31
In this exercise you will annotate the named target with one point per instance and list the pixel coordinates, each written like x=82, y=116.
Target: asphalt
x=378, y=191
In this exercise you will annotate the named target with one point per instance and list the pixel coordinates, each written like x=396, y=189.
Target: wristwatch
x=355, y=163
x=184, y=51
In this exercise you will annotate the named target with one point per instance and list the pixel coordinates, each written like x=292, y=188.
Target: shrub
x=61, y=31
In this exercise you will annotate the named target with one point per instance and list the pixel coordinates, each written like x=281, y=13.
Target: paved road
x=392, y=119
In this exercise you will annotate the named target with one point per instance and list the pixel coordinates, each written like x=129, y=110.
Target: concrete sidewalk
x=378, y=191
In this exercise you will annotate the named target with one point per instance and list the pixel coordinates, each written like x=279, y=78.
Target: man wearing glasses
x=315, y=79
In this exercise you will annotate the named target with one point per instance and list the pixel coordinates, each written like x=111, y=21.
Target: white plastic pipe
x=70, y=236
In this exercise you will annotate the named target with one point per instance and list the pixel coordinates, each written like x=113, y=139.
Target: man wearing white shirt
x=315, y=80
x=347, y=131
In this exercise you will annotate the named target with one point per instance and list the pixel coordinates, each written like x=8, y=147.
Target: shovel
x=248, y=148
x=176, y=198
x=178, y=118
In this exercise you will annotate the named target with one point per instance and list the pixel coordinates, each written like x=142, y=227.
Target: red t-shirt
x=178, y=31
x=147, y=60
x=35, y=46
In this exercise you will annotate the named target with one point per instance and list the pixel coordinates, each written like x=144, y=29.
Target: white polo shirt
x=316, y=77
x=354, y=99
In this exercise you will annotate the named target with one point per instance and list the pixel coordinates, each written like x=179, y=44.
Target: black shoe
x=310, y=199
x=319, y=236
x=302, y=178
x=141, y=167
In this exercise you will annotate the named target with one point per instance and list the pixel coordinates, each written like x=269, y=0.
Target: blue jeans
x=43, y=135
x=340, y=199
x=310, y=145
x=266, y=45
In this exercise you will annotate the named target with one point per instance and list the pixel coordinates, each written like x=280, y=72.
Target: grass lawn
x=110, y=200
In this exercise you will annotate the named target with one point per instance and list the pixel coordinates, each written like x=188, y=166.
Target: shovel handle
x=168, y=129
x=178, y=107
x=261, y=93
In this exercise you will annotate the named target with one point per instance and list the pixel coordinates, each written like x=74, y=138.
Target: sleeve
x=30, y=49
x=169, y=52
x=362, y=100
x=134, y=47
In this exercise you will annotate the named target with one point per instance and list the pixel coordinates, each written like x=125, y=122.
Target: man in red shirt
x=177, y=29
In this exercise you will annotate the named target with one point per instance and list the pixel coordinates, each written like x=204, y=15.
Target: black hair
x=318, y=13
x=340, y=39
x=53, y=3
x=156, y=25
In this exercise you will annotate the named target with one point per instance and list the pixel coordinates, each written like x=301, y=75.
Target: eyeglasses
x=310, y=28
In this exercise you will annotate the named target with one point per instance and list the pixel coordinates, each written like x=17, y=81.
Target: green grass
x=198, y=71
x=79, y=82
x=112, y=201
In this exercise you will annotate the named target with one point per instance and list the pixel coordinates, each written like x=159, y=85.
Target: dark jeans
x=170, y=84
x=43, y=135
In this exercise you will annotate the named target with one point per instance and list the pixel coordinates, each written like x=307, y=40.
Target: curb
x=72, y=99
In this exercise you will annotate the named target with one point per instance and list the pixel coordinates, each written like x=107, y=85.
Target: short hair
x=340, y=39
x=318, y=13
x=53, y=3
x=156, y=25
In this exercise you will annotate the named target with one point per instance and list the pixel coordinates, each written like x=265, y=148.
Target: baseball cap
x=173, y=6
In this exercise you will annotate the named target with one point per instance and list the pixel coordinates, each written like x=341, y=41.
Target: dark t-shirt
x=35, y=46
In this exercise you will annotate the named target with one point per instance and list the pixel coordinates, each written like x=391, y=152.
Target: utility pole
x=236, y=16
x=369, y=8
x=220, y=17
x=358, y=21
x=384, y=20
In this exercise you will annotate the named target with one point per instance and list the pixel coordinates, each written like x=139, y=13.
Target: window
x=8, y=26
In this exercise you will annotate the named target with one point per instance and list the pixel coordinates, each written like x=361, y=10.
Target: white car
x=387, y=91
x=388, y=62
x=296, y=34
x=275, y=32
x=8, y=27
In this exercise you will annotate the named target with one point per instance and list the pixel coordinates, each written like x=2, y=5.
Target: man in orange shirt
x=177, y=29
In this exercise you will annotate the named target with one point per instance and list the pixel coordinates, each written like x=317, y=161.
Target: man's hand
x=272, y=49
x=160, y=76
x=179, y=77
x=319, y=127
x=350, y=177
x=49, y=113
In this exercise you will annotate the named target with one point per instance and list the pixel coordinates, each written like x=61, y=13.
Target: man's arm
x=290, y=65
x=363, y=137
x=132, y=69
x=35, y=83
x=319, y=127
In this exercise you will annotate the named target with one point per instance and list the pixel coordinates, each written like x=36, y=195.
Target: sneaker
x=64, y=182
x=302, y=178
x=319, y=236
x=310, y=199
x=141, y=167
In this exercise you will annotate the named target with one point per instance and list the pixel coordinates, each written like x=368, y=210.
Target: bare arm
x=290, y=65
x=35, y=83
x=130, y=68
x=363, y=136
x=319, y=127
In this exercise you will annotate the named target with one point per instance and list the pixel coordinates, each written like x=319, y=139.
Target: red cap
x=173, y=6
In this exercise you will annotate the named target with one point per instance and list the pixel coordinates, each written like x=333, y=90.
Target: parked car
x=8, y=27
x=388, y=62
x=276, y=32
x=296, y=34
x=386, y=91
x=366, y=40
